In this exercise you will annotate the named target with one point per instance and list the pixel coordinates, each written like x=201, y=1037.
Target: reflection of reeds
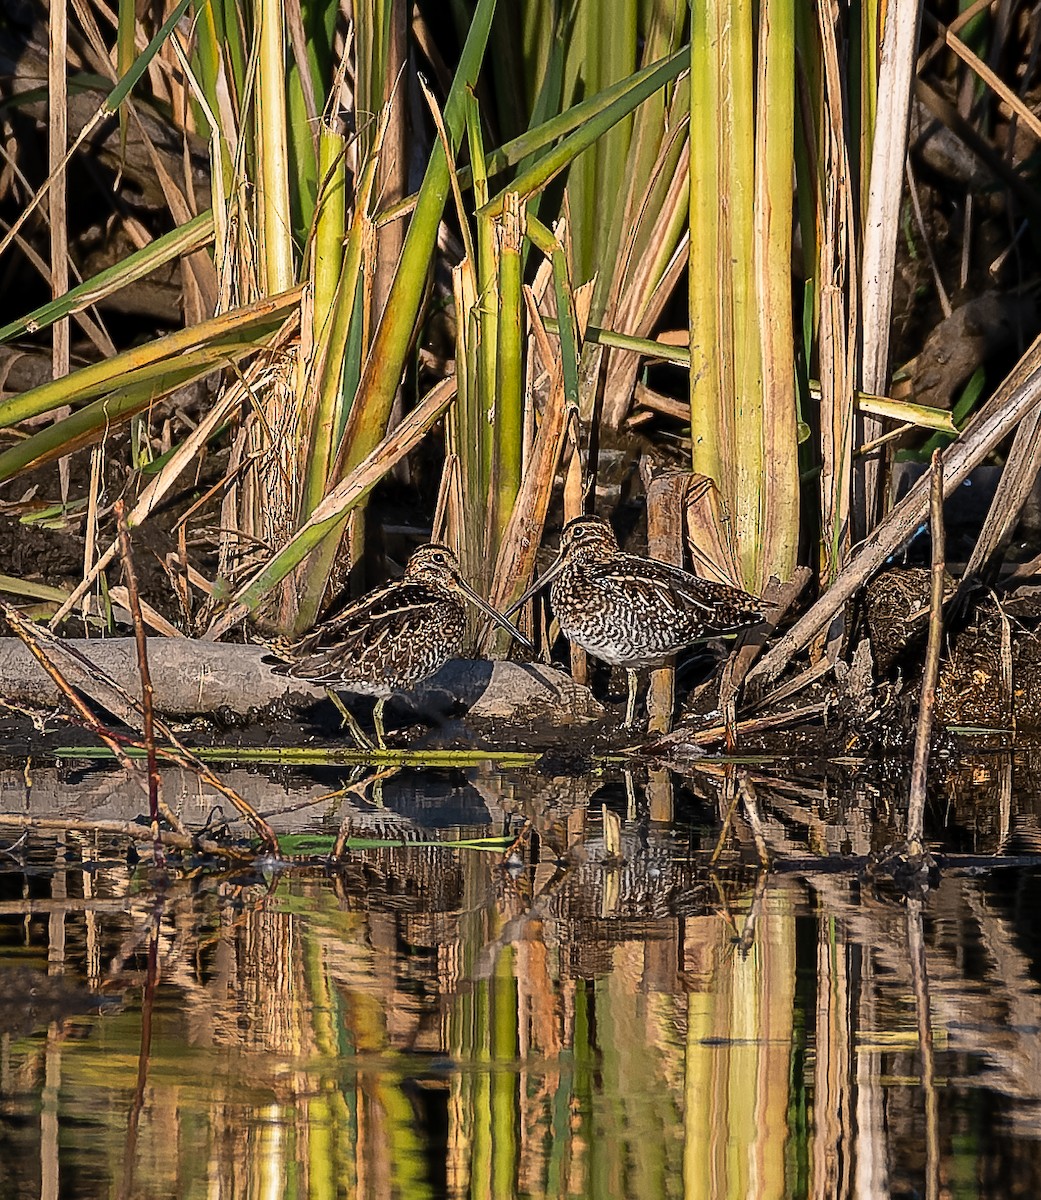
x=562, y=1044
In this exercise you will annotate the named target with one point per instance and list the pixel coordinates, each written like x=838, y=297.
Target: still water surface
x=600, y=1013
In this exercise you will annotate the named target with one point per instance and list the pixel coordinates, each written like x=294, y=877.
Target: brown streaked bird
x=629, y=611
x=393, y=637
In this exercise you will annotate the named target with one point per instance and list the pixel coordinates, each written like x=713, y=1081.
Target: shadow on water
x=603, y=1011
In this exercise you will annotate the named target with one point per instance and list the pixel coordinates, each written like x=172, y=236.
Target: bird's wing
x=720, y=604
x=364, y=628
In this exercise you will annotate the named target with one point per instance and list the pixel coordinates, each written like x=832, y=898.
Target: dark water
x=604, y=1013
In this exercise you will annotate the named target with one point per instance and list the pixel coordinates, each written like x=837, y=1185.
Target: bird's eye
x=580, y=532
x=439, y=557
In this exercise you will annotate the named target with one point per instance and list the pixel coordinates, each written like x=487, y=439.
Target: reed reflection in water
x=608, y=1018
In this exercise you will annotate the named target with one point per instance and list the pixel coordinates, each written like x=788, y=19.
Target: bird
x=629, y=611
x=394, y=637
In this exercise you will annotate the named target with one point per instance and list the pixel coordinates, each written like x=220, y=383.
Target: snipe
x=393, y=637
x=629, y=611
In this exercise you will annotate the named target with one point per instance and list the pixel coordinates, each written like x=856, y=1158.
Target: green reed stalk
x=193, y=235
x=524, y=149
x=487, y=308
x=776, y=521
x=273, y=150
x=567, y=326
x=505, y=1046
x=126, y=49
x=509, y=381
x=250, y=323
x=330, y=223
x=338, y=361
x=549, y=165
x=709, y=435
x=386, y=358
x=332, y=308
x=93, y=421
x=742, y=384
x=745, y=482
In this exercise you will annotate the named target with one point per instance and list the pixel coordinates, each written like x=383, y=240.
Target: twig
x=920, y=981
x=147, y=691
x=747, y=938
x=29, y=636
x=728, y=816
x=750, y=803
x=128, y=829
x=715, y=733
x=117, y=699
x=920, y=764
x=144, y=1055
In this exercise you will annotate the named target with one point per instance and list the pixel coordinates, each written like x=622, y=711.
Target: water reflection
x=604, y=1014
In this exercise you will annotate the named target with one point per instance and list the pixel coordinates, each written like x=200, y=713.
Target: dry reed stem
x=882, y=220
x=256, y=374
x=1018, y=477
x=341, y=499
x=838, y=303
x=524, y=530
x=57, y=138
x=717, y=733
x=930, y=674
x=147, y=691
x=997, y=85
x=959, y=23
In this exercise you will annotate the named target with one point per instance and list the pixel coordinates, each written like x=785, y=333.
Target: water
x=604, y=1015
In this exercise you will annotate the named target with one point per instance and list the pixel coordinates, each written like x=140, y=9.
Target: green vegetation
x=679, y=210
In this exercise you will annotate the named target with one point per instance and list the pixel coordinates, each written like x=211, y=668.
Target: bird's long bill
x=482, y=604
x=547, y=576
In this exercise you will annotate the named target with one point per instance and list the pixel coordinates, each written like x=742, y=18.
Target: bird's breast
x=620, y=616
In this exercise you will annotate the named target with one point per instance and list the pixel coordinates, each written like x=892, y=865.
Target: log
x=196, y=677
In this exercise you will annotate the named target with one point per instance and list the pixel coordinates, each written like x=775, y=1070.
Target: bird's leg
x=630, y=704
x=377, y=720
x=348, y=722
